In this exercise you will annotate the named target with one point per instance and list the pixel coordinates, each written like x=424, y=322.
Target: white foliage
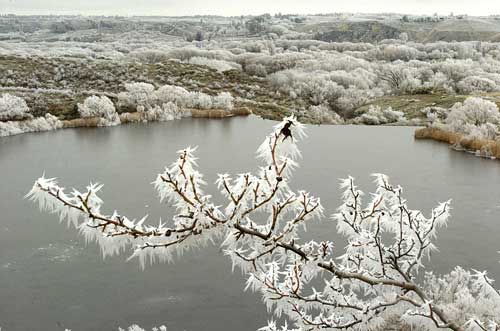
x=323, y=114
x=475, y=117
x=376, y=116
x=144, y=98
x=166, y=112
x=102, y=107
x=473, y=84
x=13, y=108
x=46, y=123
x=137, y=94
x=223, y=100
x=219, y=65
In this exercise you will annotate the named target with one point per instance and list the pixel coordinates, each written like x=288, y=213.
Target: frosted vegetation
x=144, y=96
x=376, y=116
x=13, y=108
x=46, y=123
x=164, y=104
x=273, y=65
x=475, y=118
x=16, y=119
x=376, y=282
x=101, y=107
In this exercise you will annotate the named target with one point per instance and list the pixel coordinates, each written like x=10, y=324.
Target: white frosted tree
x=370, y=285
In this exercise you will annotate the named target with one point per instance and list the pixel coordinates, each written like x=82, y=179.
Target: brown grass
x=219, y=113
x=241, y=111
x=91, y=122
x=485, y=146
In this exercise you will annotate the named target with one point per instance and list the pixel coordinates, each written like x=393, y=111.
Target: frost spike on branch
x=368, y=287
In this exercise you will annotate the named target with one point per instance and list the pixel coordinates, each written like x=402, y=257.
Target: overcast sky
x=233, y=7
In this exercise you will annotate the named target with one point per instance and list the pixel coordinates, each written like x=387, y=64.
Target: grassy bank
x=482, y=147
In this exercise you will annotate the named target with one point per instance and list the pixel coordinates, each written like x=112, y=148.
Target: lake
x=51, y=280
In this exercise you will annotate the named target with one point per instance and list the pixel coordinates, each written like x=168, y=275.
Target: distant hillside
x=374, y=30
x=329, y=27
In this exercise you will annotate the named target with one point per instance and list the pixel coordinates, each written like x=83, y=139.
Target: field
x=324, y=69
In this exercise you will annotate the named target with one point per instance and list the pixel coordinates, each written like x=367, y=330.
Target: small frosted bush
x=137, y=94
x=323, y=114
x=476, y=84
x=223, y=101
x=376, y=116
x=102, y=107
x=13, y=108
x=166, y=112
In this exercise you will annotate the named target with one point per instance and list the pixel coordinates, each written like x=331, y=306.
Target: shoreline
x=51, y=123
x=480, y=147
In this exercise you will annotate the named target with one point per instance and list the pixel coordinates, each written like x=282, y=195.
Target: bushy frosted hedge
x=46, y=123
x=144, y=97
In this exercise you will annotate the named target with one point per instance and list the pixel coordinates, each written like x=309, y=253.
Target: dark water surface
x=50, y=280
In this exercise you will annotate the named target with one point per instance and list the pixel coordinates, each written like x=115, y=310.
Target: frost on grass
x=374, y=283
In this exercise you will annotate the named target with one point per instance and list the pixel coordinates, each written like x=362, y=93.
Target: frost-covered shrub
x=439, y=81
x=352, y=98
x=223, y=100
x=46, y=123
x=166, y=112
x=137, y=94
x=475, y=116
x=219, y=65
x=199, y=100
x=456, y=70
x=435, y=114
x=103, y=107
x=149, y=55
x=376, y=116
x=143, y=97
x=13, y=108
x=256, y=69
x=398, y=52
x=323, y=114
x=170, y=93
x=400, y=78
x=482, y=131
x=476, y=84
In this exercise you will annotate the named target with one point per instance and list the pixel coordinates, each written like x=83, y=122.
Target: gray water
x=50, y=280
